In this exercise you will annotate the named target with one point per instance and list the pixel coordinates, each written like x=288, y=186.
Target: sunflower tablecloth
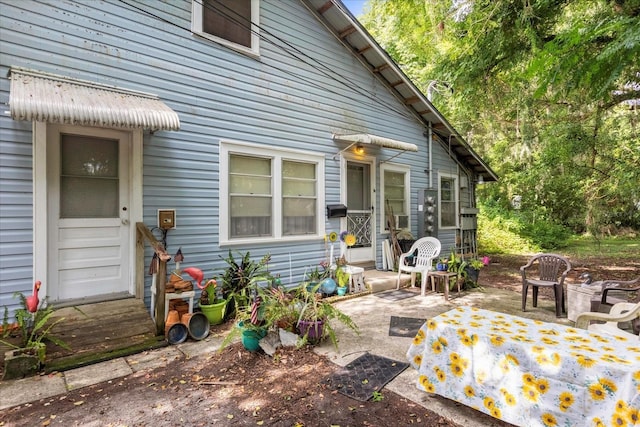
x=528, y=372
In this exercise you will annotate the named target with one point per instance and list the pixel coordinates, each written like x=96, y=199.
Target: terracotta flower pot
x=173, y=317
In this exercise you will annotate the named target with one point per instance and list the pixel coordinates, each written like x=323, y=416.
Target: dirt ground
x=238, y=388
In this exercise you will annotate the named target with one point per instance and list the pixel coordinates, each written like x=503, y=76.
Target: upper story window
x=233, y=23
x=448, y=190
x=269, y=194
x=395, y=193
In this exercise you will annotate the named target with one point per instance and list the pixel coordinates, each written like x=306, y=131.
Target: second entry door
x=360, y=211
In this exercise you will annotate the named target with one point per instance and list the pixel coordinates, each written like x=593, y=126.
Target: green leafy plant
x=342, y=277
x=377, y=396
x=476, y=264
x=33, y=329
x=319, y=273
x=273, y=307
x=240, y=274
x=312, y=307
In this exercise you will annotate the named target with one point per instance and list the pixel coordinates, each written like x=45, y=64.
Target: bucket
x=197, y=325
x=177, y=333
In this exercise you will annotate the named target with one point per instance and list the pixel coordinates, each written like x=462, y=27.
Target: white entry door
x=360, y=218
x=88, y=222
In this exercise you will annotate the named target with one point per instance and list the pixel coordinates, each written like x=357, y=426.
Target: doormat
x=404, y=326
x=365, y=375
x=396, y=295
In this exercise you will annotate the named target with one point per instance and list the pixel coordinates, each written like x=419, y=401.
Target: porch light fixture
x=359, y=149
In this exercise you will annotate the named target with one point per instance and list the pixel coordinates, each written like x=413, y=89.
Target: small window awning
x=39, y=96
x=365, y=138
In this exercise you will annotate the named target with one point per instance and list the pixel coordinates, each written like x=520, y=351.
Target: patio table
x=527, y=372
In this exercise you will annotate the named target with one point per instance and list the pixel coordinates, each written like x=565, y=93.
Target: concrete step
x=379, y=281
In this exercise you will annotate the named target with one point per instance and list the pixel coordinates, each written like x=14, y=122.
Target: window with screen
x=231, y=22
x=448, y=201
x=269, y=193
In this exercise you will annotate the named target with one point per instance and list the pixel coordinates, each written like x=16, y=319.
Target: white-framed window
x=448, y=197
x=269, y=193
x=233, y=23
x=395, y=183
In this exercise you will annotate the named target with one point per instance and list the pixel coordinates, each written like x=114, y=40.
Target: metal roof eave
x=40, y=96
x=336, y=17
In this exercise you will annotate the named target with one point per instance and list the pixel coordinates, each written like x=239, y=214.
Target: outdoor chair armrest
x=629, y=312
x=618, y=285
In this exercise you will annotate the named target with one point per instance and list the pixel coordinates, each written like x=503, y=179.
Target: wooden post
x=160, y=297
x=163, y=258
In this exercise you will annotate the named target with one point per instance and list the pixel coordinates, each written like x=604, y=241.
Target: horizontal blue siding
x=293, y=98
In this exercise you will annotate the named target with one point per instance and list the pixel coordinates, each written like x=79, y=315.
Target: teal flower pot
x=251, y=337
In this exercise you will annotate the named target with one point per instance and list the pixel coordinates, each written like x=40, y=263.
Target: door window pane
x=358, y=190
x=89, y=182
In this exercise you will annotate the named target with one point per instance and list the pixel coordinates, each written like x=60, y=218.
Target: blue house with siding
x=245, y=125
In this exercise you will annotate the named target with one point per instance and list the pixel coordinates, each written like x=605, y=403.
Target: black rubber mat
x=396, y=295
x=365, y=375
x=404, y=326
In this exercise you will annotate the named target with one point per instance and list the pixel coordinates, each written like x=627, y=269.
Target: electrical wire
x=377, y=105
x=326, y=70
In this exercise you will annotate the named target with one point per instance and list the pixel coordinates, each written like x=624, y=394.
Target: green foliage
x=285, y=309
x=311, y=306
x=319, y=273
x=539, y=91
x=239, y=276
x=342, y=277
x=503, y=230
x=377, y=396
x=33, y=328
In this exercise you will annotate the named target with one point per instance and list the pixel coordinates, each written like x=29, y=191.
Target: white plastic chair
x=426, y=250
x=620, y=312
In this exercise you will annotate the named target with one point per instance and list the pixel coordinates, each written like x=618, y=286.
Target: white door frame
x=41, y=256
x=371, y=161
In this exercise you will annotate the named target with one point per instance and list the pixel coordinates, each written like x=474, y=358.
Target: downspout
x=430, y=142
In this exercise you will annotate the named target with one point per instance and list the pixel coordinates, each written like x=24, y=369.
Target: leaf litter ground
x=238, y=388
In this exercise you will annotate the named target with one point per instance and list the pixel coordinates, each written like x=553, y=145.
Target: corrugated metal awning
x=52, y=98
x=365, y=138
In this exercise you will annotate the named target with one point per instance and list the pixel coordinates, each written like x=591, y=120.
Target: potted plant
x=253, y=319
x=473, y=272
x=342, y=277
x=316, y=276
x=28, y=339
x=315, y=315
x=457, y=265
x=238, y=276
x=211, y=302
